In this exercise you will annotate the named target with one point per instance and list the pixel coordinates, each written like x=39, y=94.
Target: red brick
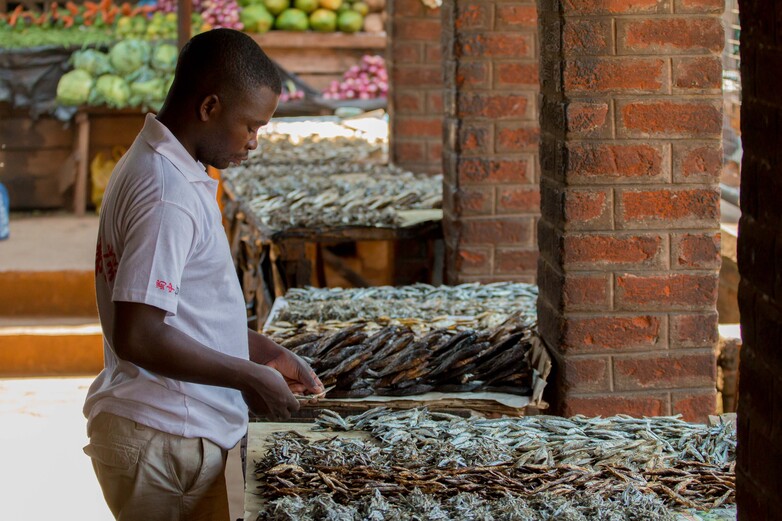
x=595, y=162
x=699, y=6
x=636, y=75
x=472, y=74
x=515, y=137
x=407, y=53
x=518, y=199
x=611, y=404
x=669, y=119
x=668, y=292
x=408, y=102
x=588, y=119
x=593, y=7
x=696, y=250
x=434, y=152
x=594, y=251
x=514, y=260
x=665, y=370
x=668, y=34
x=473, y=260
x=515, y=74
x=409, y=8
x=589, y=208
x=695, y=406
x=587, y=37
x=409, y=151
x=694, y=330
x=434, y=104
x=650, y=208
x=434, y=54
x=495, y=45
x=585, y=292
x=516, y=16
x=475, y=200
x=492, y=106
x=417, y=30
x=586, y=374
x=418, y=76
x=702, y=73
x=419, y=127
x=475, y=170
x=618, y=333
x=505, y=230
x=697, y=163
x=476, y=139
x=472, y=15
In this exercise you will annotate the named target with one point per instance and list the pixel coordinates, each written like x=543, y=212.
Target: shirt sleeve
x=157, y=246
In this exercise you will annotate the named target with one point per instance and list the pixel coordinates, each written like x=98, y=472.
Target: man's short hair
x=224, y=62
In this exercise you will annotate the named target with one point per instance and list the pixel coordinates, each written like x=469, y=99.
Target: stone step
x=50, y=346
x=68, y=293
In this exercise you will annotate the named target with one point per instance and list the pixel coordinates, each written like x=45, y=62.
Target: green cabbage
x=148, y=93
x=91, y=61
x=110, y=90
x=74, y=88
x=129, y=55
x=164, y=57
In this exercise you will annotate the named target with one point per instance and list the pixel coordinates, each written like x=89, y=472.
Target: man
x=181, y=366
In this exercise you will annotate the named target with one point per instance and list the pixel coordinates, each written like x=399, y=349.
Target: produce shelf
x=310, y=39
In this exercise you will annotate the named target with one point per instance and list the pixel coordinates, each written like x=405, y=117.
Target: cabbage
x=143, y=73
x=164, y=57
x=91, y=61
x=74, y=88
x=147, y=93
x=110, y=90
x=129, y=55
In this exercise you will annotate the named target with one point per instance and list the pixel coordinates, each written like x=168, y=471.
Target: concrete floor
x=44, y=473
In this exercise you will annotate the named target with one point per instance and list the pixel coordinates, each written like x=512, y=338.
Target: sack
x=100, y=172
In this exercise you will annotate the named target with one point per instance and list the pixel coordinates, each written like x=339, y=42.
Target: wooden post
x=82, y=163
x=184, y=24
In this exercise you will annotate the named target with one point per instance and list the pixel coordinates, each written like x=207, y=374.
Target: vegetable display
x=347, y=16
x=134, y=73
x=367, y=80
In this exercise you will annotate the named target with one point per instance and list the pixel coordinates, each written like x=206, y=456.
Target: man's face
x=234, y=132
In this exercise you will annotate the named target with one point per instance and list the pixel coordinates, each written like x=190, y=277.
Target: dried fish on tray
x=421, y=301
x=337, y=194
x=406, y=357
x=315, y=149
x=425, y=465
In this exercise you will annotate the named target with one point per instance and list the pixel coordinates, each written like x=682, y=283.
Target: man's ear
x=209, y=107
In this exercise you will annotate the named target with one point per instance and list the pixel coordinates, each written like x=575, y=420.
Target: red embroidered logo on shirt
x=163, y=286
x=106, y=262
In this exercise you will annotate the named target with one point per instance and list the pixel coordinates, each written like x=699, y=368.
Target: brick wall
x=759, y=469
x=629, y=233
x=491, y=193
x=416, y=75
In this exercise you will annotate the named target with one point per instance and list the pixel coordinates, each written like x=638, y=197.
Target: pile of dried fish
x=314, y=149
x=292, y=195
x=422, y=301
x=551, y=465
x=394, y=360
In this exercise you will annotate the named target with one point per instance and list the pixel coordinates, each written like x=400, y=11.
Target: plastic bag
x=100, y=172
x=4, y=212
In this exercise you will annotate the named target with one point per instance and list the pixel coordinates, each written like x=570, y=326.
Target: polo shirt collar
x=160, y=138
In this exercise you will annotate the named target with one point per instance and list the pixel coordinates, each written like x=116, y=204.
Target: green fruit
x=323, y=21
x=331, y=4
x=292, y=20
x=361, y=8
x=276, y=7
x=307, y=6
x=350, y=22
x=256, y=19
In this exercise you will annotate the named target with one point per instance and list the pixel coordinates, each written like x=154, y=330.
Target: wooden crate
x=319, y=58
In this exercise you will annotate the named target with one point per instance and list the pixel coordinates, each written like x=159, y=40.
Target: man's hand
x=300, y=377
x=267, y=394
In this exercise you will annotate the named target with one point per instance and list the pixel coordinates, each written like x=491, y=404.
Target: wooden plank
x=314, y=61
x=26, y=133
x=26, y=164
x=82, y=151
x=110, y=130
x=276, y=39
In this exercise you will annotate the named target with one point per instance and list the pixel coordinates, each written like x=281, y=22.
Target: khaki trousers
x=149, y=475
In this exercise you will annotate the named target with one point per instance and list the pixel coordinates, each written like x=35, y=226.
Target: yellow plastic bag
x=100, y=172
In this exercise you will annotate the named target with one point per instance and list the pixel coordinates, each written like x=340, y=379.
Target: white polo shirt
x=161, y=242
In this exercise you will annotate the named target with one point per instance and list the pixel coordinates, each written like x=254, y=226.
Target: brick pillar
x=416, y=75
x=629, y=233
x=759, y=472
x=491, y=193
